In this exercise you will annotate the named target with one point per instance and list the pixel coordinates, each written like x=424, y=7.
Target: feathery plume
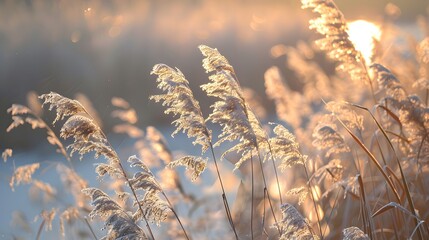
x=64, y=106
x=285, y=148
x=334, y=170
x=22, y=114
x=347, y=115
x=155, y=209
x=48, y=217
x=293, y=225
x=23, y=174
x=327, y=138
x=302, y=193
x=89, y=108
x=231, y=112
x=332, y=25
x=17, y=121
x=144, y=179
x=7, y=153
x=180, y=101
x=354, y=233
x=68, y=216
x=120, y=224
x=195, y=164
x=158, y=144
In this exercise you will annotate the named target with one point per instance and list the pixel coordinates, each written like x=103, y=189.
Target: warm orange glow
x=362, y=33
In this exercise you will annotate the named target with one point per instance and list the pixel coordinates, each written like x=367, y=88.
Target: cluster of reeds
x=349, y=160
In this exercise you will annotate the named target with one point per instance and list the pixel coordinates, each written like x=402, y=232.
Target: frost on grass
x=336, y=42
x=195, y=164
x=64, y=106
x=285, y=148
x=293, y=225
x=230, y=111
x=22, y=114
x=180, y=101
x=154, y=208
x=120, y=225
x=301, y=192
x=354, y=233
x=327, y=138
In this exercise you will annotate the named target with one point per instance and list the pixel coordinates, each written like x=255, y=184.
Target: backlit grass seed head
x=81, y=129
x=143, y=179
x=48, y=217
x=180, y=101
x=354, y=233
x=301, y=192
x=155, y=209
x=119, y=223
x=23, y=174
x=17, y=121
x=385, y=78
x=235, y=126
x=231, y=111
x=223, y=82
x=64, y=106
x=293, y=225
x=214, y=61
x=285, y=148
x=348, y=116
x=332, y=25
x=18, y=109
x=7, y=153
x=22, y=114
x=196, y=165
x=327, y=138
x=333, y=170
x=423, y=50
x=349, y=186
x=68, y=216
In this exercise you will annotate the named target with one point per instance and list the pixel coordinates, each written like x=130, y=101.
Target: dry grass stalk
x=23, y=174
x=293, y=225
x=7, y=153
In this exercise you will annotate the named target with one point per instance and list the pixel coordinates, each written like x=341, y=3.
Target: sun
x=362, y=34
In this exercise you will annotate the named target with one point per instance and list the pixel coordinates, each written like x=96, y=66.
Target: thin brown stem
x=225, y=200
x=266, y=187
x=90, y=228
x=124, y=174
x=275, y=172
x=253, y=196
x=313, y=200
x=175, y=214
x=39, y=232
x=135, y=197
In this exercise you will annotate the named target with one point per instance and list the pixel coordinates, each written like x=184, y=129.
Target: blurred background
x=107, y=48
x=100, y=49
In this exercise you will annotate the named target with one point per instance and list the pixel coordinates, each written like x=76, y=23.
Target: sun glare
x=362, y=33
